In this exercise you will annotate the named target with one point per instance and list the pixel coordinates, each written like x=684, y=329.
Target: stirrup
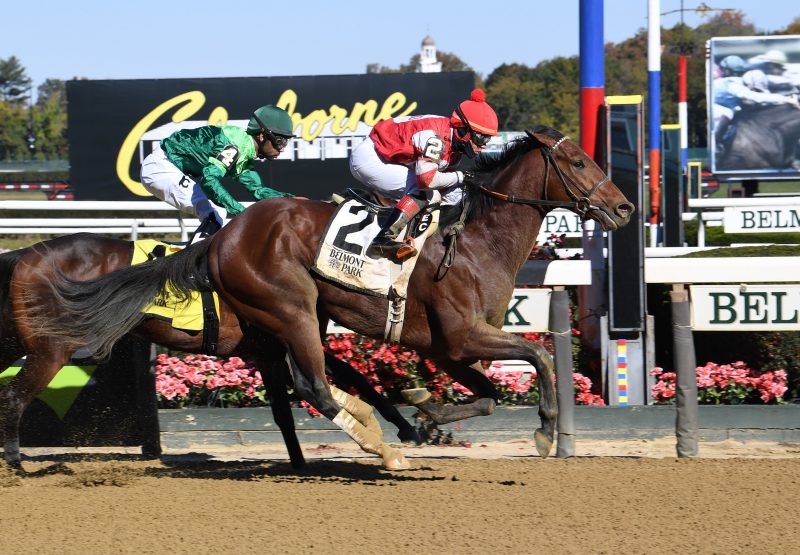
x=407, y=249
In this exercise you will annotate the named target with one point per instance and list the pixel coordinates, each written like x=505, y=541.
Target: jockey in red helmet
x=408, y=157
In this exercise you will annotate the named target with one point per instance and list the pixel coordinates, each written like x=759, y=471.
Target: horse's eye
x=579, y=164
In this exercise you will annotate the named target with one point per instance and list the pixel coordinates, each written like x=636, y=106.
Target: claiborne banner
x=754, y=119
x=114, y=124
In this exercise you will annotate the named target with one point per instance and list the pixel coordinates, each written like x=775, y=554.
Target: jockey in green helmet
x=186, y=169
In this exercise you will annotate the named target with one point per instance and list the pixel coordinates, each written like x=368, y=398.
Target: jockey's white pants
x=165, y=181
x=391, y=180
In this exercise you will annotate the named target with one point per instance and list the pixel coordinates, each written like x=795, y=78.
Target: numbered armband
x=228, y=156
x=434, y=147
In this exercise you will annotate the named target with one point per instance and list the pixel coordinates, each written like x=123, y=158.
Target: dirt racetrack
x=495, y=498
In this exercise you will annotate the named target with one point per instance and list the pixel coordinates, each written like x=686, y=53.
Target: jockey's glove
x=469, y=177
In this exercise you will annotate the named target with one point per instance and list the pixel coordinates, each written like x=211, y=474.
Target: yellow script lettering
x=313, y=124
x=194, y=101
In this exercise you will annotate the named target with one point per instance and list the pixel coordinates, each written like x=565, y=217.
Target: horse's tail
x=97, y=313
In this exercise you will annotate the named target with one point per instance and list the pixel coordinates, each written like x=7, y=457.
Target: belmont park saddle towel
x=341, y=255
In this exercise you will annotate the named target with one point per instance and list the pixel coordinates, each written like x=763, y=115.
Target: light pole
x=31, y=136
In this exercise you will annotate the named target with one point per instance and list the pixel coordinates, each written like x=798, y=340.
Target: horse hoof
x=543, y=443
x=416, y=396
x=394, y=460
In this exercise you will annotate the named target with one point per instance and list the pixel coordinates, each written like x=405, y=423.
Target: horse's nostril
x=624, y=210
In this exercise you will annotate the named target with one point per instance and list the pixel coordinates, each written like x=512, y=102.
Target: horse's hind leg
x=345, y=376
x=39, y=369
x=10, y=352
x=316, y=391
x=275, y=377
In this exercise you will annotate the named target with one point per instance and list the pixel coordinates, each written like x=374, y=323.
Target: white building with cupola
x=427, y=57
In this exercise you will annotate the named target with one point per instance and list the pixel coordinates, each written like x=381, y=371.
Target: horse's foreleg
x=487, y=342
x=470, y=377
x=275, y=377
x=316, y=391
x=345, y=376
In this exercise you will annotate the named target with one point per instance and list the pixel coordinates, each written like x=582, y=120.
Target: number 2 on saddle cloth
x=341, y=254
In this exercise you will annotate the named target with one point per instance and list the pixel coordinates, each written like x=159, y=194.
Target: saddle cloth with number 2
x=341, y=255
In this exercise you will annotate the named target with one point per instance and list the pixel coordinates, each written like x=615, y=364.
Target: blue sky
x=202, y=38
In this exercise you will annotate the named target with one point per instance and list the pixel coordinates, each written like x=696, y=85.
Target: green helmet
x=271, y=117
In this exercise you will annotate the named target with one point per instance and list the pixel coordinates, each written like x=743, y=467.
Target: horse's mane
x=487, y=168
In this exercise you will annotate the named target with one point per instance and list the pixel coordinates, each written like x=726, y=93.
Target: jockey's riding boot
x=385, y=243
x=207, y=227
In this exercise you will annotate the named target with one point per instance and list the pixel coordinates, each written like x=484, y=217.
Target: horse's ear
x=538, y=137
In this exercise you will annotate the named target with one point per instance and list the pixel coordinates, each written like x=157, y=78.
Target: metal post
x=701, y=229
x=685, y=367
x=654, y=108
x=565, y=388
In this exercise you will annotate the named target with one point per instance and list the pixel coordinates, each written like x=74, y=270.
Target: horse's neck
x=512, y=228
x=509, y=232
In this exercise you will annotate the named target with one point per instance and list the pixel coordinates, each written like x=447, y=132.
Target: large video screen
x=754, y=116
x=114, y=124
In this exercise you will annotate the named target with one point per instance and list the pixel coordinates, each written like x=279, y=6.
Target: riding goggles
x=479, y=139
x=278, y=141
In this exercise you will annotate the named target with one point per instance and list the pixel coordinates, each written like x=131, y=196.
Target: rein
x=582, y=204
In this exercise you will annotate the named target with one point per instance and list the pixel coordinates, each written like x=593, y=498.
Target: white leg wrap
x=368, y=440
x=358, y=420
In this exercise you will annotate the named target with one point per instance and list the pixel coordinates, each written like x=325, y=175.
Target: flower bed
x=725, y=384
x=200, y=380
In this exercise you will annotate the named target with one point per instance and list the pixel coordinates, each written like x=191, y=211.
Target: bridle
x=581, y=203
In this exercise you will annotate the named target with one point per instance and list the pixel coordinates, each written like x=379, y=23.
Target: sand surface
x=631, y=496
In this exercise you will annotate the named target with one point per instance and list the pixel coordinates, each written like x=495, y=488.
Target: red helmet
x=477, y=117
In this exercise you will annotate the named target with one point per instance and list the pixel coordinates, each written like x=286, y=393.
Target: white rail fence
x=158, y=218
x=738, y=215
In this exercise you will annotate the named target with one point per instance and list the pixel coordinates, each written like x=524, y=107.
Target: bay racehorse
x=766, y=138
x=260, y=265
x=24, y=274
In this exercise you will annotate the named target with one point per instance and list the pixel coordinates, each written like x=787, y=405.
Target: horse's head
x=573, y=179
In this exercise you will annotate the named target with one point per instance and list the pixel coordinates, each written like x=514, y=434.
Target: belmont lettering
x=346, y=262
x=755, y=308
x=770, y=219
x=512, y=309
x=718, y=307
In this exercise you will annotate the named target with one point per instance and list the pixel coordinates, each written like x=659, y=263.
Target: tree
x=15, y=85
x=793, y=28
x=50, y=128
x=13, y=131
x=52, y=88
x=544, y=95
